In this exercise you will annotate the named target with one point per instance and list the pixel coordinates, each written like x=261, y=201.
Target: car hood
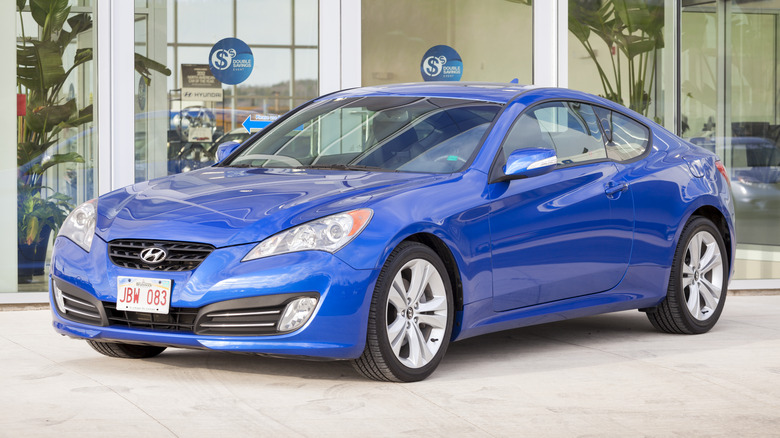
x=228, y=206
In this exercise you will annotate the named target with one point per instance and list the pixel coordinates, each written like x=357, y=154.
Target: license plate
x=152, y=295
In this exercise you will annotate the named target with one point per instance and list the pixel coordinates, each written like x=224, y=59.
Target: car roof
x=485, y=91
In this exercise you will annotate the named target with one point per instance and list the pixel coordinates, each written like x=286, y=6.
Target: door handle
x=613, y=189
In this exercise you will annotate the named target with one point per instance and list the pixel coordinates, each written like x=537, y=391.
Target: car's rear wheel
x=698, y=282
x=126, y=351
x=410, y=321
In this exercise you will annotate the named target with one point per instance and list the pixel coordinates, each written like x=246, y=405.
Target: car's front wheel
x=410, y=321
x=126, y=351
x=698, y=282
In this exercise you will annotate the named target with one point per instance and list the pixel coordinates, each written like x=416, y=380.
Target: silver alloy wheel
x=416, y=313
x=702, y=275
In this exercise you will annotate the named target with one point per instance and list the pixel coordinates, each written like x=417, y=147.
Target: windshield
x=430, y=135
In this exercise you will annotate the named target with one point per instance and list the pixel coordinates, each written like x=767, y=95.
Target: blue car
x=380, y=224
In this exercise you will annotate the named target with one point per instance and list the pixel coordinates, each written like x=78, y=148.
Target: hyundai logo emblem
x=153, y=255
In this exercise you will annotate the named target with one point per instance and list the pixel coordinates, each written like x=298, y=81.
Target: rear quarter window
x=630, y=139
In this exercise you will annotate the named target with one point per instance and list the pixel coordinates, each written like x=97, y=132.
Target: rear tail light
x=722, y=171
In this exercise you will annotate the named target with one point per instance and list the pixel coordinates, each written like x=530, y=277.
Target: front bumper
x=336, y=329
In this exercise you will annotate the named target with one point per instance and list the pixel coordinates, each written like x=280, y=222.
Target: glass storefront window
x=283, y=36
x=56, y=136
x=615, y=51
x=729, y=51
x=494, y=38
x=266, y=21
x=698, y=70
x=730, y=105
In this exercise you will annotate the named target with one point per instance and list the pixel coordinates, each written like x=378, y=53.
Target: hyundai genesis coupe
x=379, y=224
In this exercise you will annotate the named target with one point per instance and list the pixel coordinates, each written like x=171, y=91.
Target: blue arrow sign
x=257, y=122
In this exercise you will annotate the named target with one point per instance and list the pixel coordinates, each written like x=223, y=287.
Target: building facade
x=113, y=92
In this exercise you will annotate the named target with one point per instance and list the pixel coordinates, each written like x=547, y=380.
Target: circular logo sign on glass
x=441, y=63
x=231, y=61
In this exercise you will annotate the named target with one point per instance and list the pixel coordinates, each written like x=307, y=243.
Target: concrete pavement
x=608, y=375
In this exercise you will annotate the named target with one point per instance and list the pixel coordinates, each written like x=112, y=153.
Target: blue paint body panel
x=526, y=251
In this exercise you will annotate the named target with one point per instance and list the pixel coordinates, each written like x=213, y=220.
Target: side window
x=570, y=128
x=629, y=138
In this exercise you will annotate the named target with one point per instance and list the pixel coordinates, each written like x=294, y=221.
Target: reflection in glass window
x=307, y=64
x=619, y=55
x=629, y=139
x=203, y=21
x=306, y=23
x=388, y=133
x=267, y=22
x=570, y=128
x=56, y=137
x=175, y=133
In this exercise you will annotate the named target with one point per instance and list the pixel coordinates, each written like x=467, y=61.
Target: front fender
x=454, y=211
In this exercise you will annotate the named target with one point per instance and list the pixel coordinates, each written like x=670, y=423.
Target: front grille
x=182, y=256
x=178, y=319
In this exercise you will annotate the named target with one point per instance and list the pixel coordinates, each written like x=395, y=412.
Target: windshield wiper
x=347, y=167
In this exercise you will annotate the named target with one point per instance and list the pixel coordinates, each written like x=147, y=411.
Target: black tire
x=379, y=360
x=684, y=313
x=125, y=351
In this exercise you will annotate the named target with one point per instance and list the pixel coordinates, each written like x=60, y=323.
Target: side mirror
x=526, y=163
x=226, y=148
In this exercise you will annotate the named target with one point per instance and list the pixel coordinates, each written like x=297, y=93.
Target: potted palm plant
x=632, y=33
x=41, y=75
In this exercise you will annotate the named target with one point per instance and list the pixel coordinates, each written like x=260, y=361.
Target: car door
x=565, y=233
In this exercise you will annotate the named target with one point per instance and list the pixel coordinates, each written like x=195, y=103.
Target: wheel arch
x=443, y=251
x=719, y=219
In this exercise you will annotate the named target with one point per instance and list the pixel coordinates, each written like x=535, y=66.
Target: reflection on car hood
x=228, y=206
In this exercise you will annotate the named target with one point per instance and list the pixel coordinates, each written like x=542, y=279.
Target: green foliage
x=41, y=72
x=36, y=213
x=41, y=75
x=144, y=66
x=50, y=15
x=635, y=29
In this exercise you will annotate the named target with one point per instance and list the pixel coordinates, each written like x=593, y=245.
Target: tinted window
x=570, y=128
x=629, y=138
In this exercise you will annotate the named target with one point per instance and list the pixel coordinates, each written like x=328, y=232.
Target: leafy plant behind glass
x=41, y=76
x=635, y=29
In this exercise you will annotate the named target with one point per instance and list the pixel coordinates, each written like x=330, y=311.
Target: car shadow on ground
x=553, y=344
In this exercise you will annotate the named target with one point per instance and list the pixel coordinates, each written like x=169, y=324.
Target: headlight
x=79, y=226
x=329, y=234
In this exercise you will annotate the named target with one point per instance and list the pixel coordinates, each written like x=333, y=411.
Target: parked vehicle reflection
x=754, y=169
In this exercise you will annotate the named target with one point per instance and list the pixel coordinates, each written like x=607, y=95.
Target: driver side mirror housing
x=527, y=163
x=225, y=149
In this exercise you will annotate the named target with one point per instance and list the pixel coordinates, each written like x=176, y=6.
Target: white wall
x=8, y=240
x=340, y=43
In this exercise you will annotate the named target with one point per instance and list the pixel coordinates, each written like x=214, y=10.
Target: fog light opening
x=58, y=298
x=297, y=312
